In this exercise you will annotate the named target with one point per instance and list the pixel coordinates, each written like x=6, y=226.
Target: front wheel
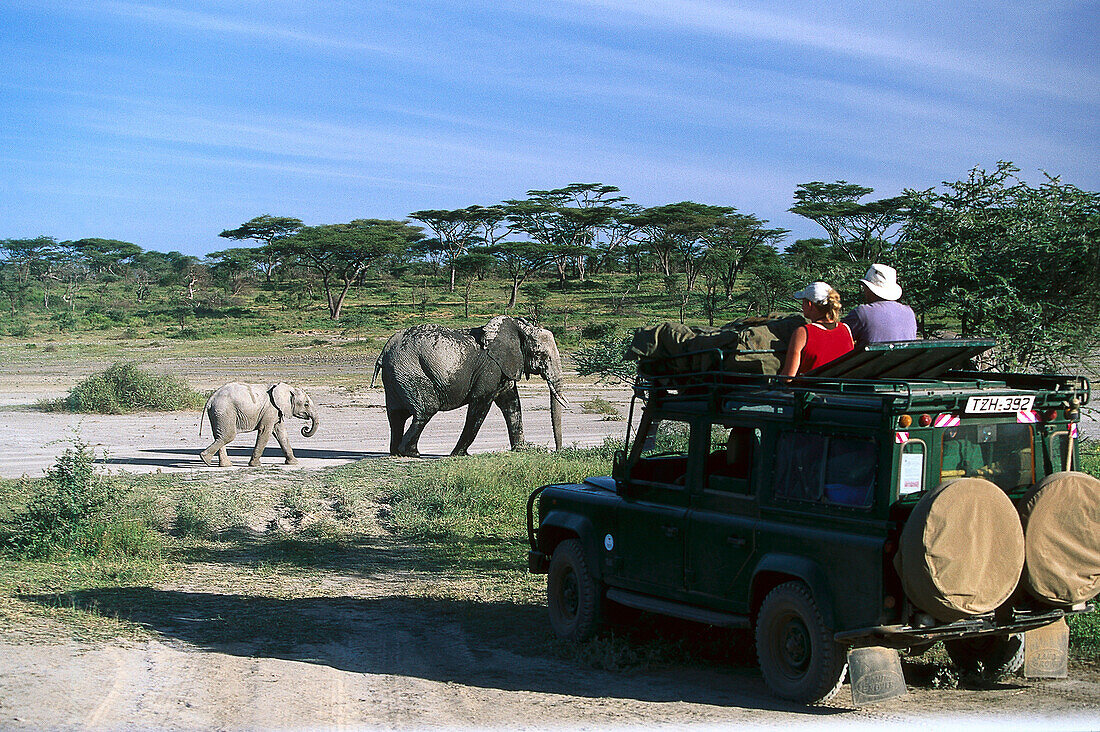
x=993, y=657
x=798, y=656
x=573, y=594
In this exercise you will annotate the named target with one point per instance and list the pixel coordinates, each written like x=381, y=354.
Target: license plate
x=992, y=404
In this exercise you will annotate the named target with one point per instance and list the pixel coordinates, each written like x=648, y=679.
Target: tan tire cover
x=1062, y=538
x=962, y=550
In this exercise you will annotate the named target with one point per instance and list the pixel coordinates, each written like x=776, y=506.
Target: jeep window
x=831, y=470
x=729, y=459
x=661, y=452
x=1002, y=453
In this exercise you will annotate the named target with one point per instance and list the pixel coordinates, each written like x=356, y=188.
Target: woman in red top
x=824, y=338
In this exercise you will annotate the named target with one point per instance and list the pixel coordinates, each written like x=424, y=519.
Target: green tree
x=683, y=234
x=234, y=268
x=859, y=230
x=565, y=221
x=267, y=230
x=339, y=253
x=468, y=268
x=454, y=231
x=105, y=256
x=1008, y=260
x=520, y=259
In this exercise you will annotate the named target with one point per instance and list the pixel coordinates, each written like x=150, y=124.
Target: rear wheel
x=573, y=594
x=798, y=656
x=993, y=657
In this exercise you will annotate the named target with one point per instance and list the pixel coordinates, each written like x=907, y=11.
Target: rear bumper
x=903, y=636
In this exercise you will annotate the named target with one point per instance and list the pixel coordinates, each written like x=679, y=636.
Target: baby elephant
x=238, y=407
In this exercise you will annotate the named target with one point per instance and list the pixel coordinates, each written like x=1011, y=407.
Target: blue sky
x=164, y=123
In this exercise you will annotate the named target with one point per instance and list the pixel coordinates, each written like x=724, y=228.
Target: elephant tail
x=202, y=415
x=377, y=367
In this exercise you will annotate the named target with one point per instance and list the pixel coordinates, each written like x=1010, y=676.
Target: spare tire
x=1062, y=538
x=962, y=550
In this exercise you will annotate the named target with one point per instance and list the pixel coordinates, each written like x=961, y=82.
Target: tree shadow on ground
x=497, y=645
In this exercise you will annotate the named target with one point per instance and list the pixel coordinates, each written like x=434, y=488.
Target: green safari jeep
x=886, y=501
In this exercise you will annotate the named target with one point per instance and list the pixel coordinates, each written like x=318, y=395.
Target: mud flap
x=1046, y=651
x=875, y=674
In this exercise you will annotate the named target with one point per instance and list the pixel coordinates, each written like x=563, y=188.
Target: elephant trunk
x=308, y=431
x=556, y=402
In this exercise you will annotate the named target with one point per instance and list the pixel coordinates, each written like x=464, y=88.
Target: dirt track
x=381, y=649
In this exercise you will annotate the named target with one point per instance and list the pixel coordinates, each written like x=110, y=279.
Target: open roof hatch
x=904, y=360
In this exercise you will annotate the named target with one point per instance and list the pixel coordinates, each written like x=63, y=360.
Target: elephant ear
x=502, y=339
x=280, y=397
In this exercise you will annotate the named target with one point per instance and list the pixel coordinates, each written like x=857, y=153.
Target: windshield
x=1002, y=453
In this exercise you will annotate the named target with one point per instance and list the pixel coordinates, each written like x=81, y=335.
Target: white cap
x=817, y=293
x=883, y=281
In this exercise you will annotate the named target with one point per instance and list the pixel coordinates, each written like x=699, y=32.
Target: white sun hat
x=816, y=292
x=883, y=281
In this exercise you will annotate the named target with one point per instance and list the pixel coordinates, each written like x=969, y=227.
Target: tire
x=798, y=656
x=573, y=595
x=990, y=657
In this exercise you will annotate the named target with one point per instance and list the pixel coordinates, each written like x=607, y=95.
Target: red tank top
x=823, y=345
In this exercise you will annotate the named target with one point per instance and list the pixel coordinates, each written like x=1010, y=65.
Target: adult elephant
x=428, y=369
x=261, y=408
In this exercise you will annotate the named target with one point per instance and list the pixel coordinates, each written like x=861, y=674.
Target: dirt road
x=372, y=643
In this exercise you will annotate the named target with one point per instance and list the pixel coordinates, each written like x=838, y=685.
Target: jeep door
x=819, y=516
x=722, y=520
x=648, y=546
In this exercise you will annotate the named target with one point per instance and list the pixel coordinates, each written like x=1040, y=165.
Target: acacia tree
x=454, y=231
x=565, y=221
x=683, y=234
x=520, y=259
x=859, y=230
x=339, y=253
x=104, y=256
x=267, y=230
x=468, y=268
x=235, y=267
x=1012, y=261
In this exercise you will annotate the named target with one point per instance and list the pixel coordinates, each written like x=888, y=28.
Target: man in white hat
x=881, y=317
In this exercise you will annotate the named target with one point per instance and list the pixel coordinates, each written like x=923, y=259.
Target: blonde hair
x=831, y=309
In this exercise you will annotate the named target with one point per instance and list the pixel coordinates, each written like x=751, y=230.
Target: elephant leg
x=218, y=446
x=408, y=446
x=397, y=418
x=475, y=415
x=508, y=401
x=262, y=436
x=280, y=435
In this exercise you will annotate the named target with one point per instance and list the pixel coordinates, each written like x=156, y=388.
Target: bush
x=606, y=360
x=126, y=388
x=598, y=331
x=75, y=511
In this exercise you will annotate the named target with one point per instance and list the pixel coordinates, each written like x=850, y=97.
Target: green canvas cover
x=1062, y=538
x=752, y=346
x=962, y=550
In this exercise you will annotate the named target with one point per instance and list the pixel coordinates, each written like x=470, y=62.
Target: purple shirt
x=884, y=320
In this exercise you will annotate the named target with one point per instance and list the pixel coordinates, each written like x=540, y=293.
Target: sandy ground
x=384, y=660
x=352, y=425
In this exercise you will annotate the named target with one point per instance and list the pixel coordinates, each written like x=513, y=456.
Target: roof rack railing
x=704, y=383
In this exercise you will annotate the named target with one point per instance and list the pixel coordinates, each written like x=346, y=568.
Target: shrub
x=606, y=360
x=598, y=331
x=599, y=405
x=126, y=388
x=75, y=511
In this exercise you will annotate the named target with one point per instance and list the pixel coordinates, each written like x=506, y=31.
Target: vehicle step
x=676, y=609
